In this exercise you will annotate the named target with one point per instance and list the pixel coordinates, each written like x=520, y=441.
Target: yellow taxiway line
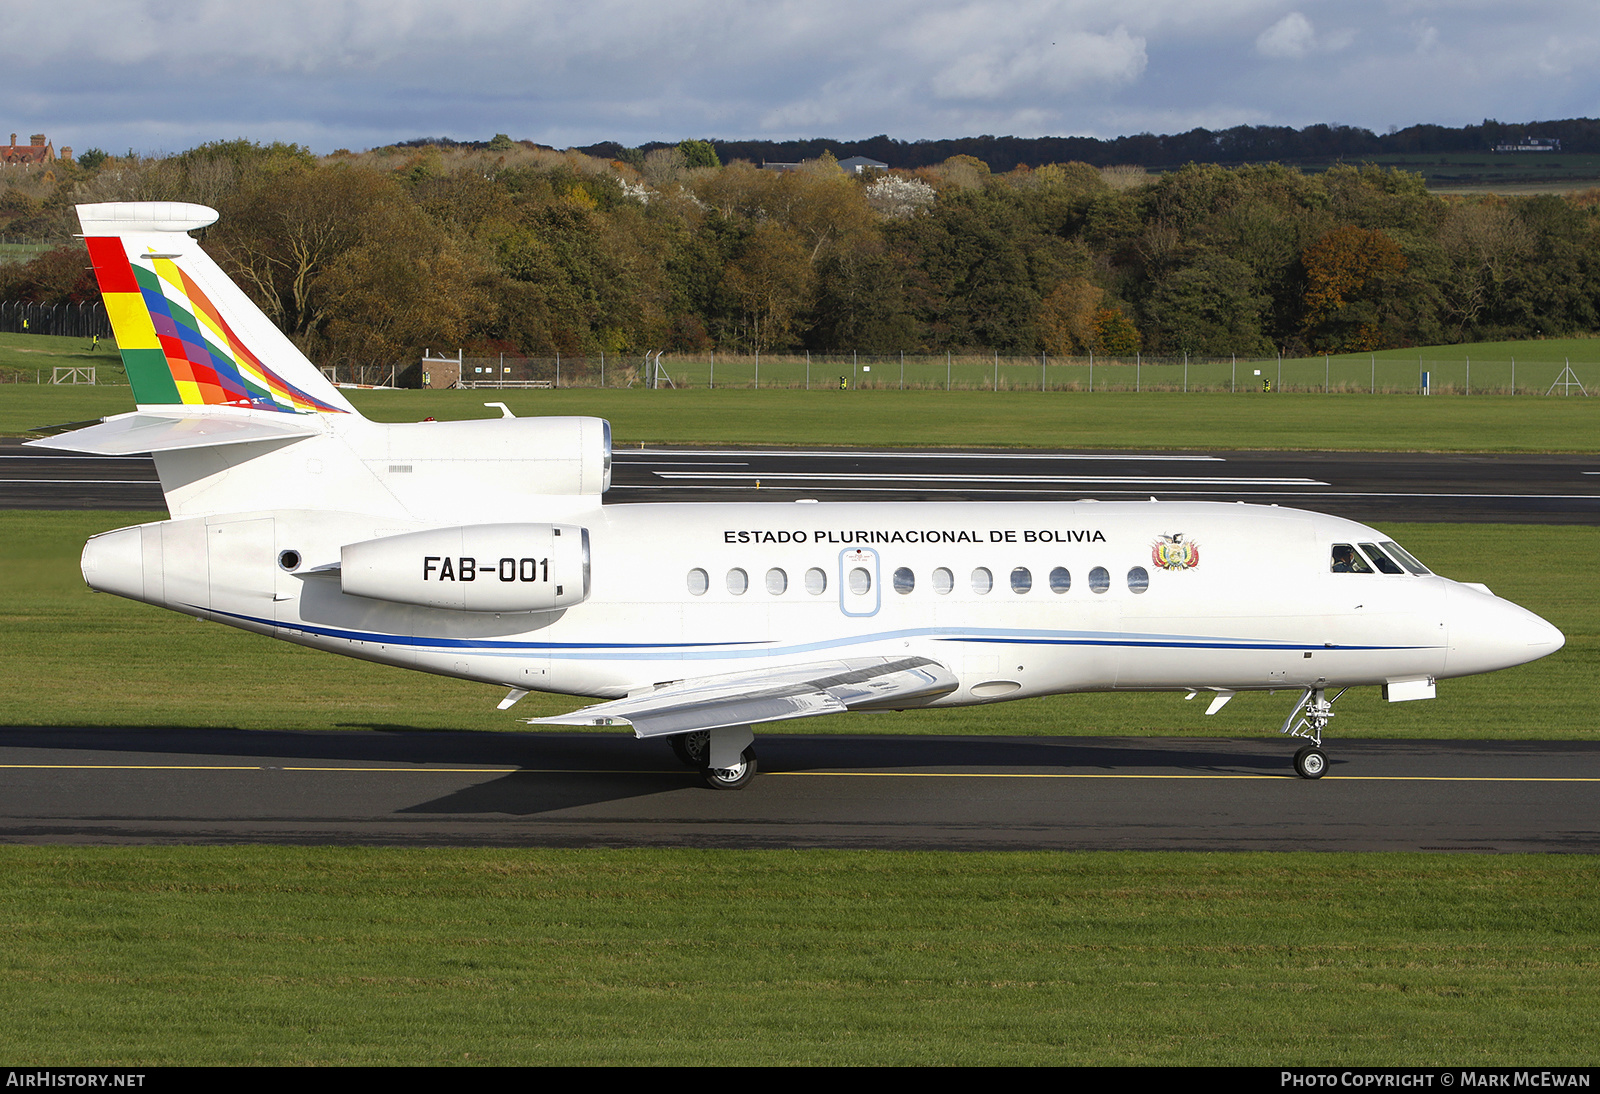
x=426, y=770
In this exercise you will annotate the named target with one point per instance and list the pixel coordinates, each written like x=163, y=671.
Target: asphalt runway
x=576, y=789
x=1553, y=489
x=965, y=793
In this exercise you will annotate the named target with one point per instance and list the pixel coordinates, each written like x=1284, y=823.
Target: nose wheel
x=1310, y=762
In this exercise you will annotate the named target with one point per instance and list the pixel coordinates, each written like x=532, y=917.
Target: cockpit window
x=1346, y=561
x=1380, y=560
x=1406, y=560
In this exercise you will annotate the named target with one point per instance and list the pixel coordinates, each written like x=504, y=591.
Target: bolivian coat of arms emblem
x=1175, y=553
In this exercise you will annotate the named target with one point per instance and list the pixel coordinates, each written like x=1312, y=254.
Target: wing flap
x=803, y=691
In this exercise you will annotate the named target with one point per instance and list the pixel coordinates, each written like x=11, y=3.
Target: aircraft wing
x=804, y=691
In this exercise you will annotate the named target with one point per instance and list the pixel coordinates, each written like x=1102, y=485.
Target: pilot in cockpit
x=1346, y=561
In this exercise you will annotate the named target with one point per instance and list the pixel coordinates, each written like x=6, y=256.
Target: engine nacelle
x=474, y=568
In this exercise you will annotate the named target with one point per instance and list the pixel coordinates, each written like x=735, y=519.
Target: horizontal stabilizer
x=130, y=434
x=804, y=691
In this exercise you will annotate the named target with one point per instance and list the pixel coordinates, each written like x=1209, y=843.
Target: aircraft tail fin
x=188, y=335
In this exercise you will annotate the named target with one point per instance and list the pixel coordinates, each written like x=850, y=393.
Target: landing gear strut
x=1307, y=721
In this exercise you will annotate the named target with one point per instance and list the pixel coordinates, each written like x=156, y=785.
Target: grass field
x=1005, y=419
x=1505, y=173
x=161, y=955
x=29, y=359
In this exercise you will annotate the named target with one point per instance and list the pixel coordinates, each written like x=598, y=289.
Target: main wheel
x=690, y=748
x=731, y=778
x=1310, y=762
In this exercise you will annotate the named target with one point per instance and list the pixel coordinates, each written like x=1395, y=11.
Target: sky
x=165, y=75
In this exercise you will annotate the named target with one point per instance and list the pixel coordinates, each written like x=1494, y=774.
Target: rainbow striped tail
x=188, y=335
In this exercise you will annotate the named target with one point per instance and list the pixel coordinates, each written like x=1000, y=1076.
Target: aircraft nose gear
x=1307, y=721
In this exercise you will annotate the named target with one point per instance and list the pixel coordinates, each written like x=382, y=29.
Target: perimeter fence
x=85, y=320
x=1348, y=373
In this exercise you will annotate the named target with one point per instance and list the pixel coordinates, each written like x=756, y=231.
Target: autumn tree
x=1067, y=318
x=1114, y=333
x=771, y=279
x=1347, y=271
x=279, y=236
x=391, y=297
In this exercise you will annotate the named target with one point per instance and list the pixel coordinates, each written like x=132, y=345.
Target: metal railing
x=85, y=320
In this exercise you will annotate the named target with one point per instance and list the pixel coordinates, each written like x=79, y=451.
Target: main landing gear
x=724, y=757
x=1307, y=721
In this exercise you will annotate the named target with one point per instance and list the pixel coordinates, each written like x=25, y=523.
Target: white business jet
x=481, y=550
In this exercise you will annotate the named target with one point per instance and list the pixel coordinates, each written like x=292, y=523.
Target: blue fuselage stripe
x=743, y=649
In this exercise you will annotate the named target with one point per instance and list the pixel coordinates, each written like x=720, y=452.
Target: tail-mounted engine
x=475, y=568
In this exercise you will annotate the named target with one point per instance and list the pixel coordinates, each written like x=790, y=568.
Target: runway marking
x=1103, y=775
x=785, y=476
x=31, y=456
x=422, y=770
x=1142, y=493
x=129, y=767
x=882, y=453
x=83, y=482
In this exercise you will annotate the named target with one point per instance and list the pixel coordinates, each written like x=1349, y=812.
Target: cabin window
x=699, y=582
x=904, y=581
x=738, y=581
x=1099, y=579
x=1138, y=580
x=1382, y=561
x=943, y=581
x=816, y=582
x=1398, y=552
x=1021, y=580
x=1060, y=579
x=777, y=581
x=860, y=581
x=982, y=580
x=1346, y=561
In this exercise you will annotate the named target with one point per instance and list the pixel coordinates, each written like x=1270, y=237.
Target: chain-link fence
x=1347, y=373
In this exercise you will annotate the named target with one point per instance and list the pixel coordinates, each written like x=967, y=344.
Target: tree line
x=510, y=248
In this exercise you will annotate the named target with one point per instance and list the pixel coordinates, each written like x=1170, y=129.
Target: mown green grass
x=1006, y=419
x=83, y=658
x=27, y=358
x=1347, y=419
x=919, y=419
x=255, y=955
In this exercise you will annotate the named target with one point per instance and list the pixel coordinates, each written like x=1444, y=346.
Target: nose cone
x=1488, y=633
